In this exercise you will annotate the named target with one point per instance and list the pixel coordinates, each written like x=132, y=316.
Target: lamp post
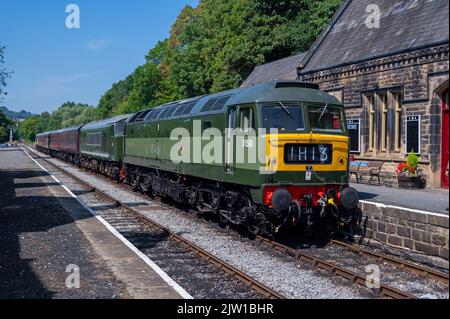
x=12, y=130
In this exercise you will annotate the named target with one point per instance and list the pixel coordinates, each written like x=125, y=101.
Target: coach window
x=102, y=137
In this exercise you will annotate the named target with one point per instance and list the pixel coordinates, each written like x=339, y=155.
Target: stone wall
x=415, y=75
x=405, y=229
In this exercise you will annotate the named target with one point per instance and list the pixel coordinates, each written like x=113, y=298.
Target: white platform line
x=183, y=293
x=380, y=205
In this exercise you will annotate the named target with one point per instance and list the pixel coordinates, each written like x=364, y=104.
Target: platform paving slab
x=436, y=201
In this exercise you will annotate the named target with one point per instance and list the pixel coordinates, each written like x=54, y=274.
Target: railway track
x=384, y=291
x=381, y=257
x=144, y=232
x=352, y=277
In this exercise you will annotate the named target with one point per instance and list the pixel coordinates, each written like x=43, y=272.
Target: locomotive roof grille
x=185, y=108
x=168, y=111
x=153, y=115
x=131, y=120
x=221, y=103
x=141, y=116
x=216, y=103
x=209, y=105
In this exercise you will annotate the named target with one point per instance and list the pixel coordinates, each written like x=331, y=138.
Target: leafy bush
x=412, y=159
x=410, y=167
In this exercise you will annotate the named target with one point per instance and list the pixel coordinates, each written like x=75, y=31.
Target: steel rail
x=418, y=269
x=353, y=277
x=246, y=279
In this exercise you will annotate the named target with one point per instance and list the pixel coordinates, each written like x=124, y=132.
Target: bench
x=363, y=168
x=354, y=169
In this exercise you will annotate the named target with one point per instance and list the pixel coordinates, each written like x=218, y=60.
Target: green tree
x=3, y=134
x=28, y=129
x=4, y=74
x=110, y=101
x=215, y=46
x=67, y=115
x=145, y=88
x=4, y=123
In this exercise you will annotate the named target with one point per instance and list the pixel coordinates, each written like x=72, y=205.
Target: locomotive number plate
x=308, y=153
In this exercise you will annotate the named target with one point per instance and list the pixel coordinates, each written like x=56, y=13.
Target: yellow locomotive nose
x=296, y=152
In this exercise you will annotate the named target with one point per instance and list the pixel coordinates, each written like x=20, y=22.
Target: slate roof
x=284, y=69
x=405, y=25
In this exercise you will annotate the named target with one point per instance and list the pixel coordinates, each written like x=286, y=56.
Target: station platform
x=47, y=238
x=435, y=201
x=416, y=221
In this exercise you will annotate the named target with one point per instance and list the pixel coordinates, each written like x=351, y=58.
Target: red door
x=445, y=141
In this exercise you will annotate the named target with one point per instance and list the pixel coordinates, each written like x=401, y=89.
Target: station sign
x=354, y=130
x=412, y=134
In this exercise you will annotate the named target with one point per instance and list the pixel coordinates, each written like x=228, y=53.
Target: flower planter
x=410, y=182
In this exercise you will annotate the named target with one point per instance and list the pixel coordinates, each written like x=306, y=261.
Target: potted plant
x=408, y=173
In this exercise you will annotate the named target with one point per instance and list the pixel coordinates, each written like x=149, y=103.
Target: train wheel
x=223, y=221
x=253, y=230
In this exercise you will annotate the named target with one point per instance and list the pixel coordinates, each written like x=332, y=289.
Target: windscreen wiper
x=287, y=111
x=323, y=112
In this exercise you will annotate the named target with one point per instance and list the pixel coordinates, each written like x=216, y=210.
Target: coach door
x=445, y=141
x=230, y=141
x=119, y=130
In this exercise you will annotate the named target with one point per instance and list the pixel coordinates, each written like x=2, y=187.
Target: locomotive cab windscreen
x=292, y=117
x=284, y=117
x=327, y=117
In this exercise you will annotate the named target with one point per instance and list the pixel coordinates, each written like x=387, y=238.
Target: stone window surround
x=389, y=130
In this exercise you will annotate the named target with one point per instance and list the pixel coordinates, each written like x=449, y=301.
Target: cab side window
x=119, y=129
x=206, y=125
x=247, y=119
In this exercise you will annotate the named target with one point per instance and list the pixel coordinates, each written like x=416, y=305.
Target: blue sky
x=53, y=64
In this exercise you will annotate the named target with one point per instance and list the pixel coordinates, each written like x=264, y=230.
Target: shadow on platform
x=23, y=212
x=364, y=195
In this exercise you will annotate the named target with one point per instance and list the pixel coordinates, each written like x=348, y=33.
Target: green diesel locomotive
x=268, y=157
x=206, y=152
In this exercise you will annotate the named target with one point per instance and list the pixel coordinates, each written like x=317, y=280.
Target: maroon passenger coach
x=65, y=143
